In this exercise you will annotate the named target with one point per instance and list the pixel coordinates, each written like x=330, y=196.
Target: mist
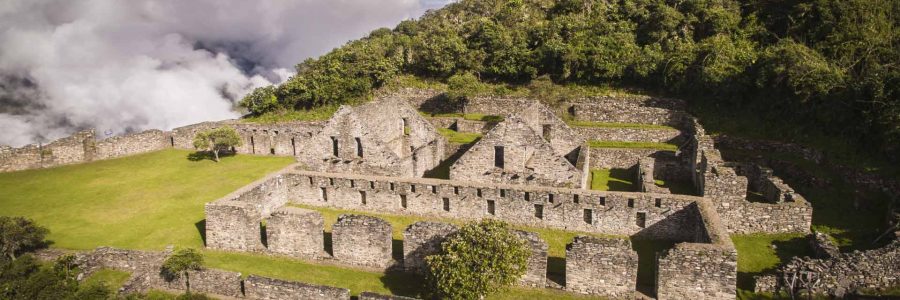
x=124, y=66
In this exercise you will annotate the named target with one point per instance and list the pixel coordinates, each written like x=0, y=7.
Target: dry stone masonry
x=531, y=169
x=295, y=232
x=601, y=266
x=362, y=240
x=422, y=239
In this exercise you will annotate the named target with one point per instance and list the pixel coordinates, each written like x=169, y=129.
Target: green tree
x=463, y=86
x=480, y=259
x=18, y=234
x=216, y=140
x=181, y=263
x=261, y=100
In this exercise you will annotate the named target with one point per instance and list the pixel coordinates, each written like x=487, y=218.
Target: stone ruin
x=530, y=169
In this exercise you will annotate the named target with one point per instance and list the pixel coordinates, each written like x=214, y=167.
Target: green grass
x=632, y=145
x=756, y=255
x=456, y=137
x=114, y=279
x=577, y=123
x=470, y=117
x=145, y=201
x=320, y=113
x=682, y=187
x=613, y=180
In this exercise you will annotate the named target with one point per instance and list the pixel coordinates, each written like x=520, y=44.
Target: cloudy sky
x=121, y=66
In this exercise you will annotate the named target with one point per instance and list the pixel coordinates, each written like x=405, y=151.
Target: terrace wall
x=258, y=287
x=628, y=134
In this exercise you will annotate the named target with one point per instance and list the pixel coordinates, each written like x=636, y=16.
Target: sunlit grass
x=632, y=145
x=456, y=137
x=612, y=180
x=145, y=201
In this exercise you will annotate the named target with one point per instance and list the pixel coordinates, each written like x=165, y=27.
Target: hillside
x=819, y=72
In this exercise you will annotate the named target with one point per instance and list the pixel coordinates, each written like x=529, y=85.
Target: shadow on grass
x=404, y=284
x=647, y=251
x=201, y=228
x=785, y=250
x=556, y=270
x=206, y=155
x=622, y=180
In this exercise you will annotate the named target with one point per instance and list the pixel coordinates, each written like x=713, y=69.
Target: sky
x=126, y=66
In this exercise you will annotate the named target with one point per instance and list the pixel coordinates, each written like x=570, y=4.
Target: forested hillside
x=830, y=65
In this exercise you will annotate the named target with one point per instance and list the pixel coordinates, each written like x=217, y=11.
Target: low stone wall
x=461, y=124
x=362, y=240
x=131, y=144
x=618, y=213
x=601, y=266
x=536, y=270
x=840, y=276
x=644, y=110
x=422, y=239
x=618, y=158
x=628, y=134
x=145, y=267
x=645, y=177
x=258, y=287
x=706, y=269
x=295, y=232
x=374, y=296
x=73, y=149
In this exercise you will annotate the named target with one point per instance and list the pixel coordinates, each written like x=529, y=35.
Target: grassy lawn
x=576, y=123
x=456, y=137
x=470, y=117
x=146, y=201
x=319, y=113
x=762, y=253
x=632, y=145
x=114, y=279
x=677, y=187
x=613, y=180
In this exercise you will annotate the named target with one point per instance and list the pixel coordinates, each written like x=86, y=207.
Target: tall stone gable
x=384, y=137
x=512, y=152
x=544, y=121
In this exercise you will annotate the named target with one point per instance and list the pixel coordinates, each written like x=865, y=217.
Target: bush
x=480, y=259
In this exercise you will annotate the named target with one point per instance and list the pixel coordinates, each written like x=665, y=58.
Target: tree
x=181, y=263
x=18, y=234
x=479, y=259
x=216, y=140
x=261, y=100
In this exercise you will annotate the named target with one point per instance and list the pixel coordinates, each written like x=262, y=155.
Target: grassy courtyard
x=632, y=145
x=613, y=180
x=156, y=199
x=146, y=201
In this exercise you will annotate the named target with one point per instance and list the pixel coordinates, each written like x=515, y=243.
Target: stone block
x=422, y=239
x=295, y=232
x=601, y=266
x=362, y=240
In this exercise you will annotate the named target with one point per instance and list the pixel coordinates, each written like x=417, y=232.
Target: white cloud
x=140, y=64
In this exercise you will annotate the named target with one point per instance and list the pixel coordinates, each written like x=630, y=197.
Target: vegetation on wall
x=828, y=65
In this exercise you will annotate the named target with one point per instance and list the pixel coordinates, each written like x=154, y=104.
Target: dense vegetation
x=826, y=65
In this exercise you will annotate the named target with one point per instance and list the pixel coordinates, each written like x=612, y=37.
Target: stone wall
x=643, y=110
x=645, y=179
x=536, y=266
x=422, y=239
x=362, y=240
x=840, y=276
x=258, y=287
x=496, y=106
x=73, y=149
x=524, y=157
x=130, y=144
x=374, y=296
x=619, y=213
x=145, y=268
x=618, y=158
x=629, y=134
x=461, y=124
x=283, y=139
x=385, y=137
x=295, y=232
x=704, y=269
x=601, y=266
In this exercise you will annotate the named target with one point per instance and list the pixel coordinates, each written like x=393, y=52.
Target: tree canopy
x=480, y=259
x=181, y=263
x=828, y=63
x=18, y=235
x=216, y=140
